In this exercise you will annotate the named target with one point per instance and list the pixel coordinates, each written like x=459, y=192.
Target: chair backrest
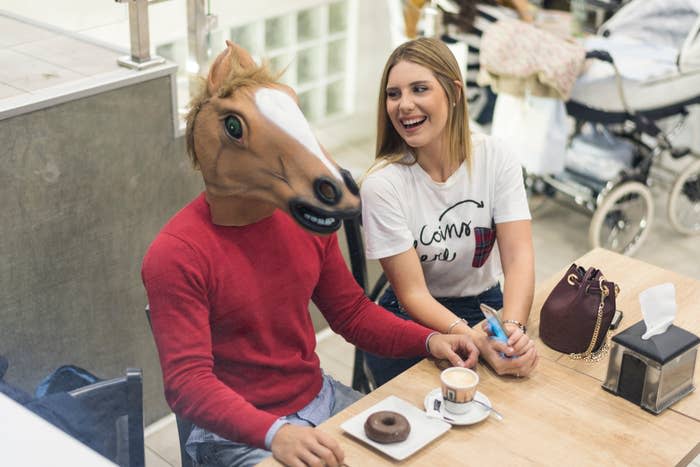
x=362, y=378
x=356, y=250
x=184, y=427
x=119, y=403
x=358, y=261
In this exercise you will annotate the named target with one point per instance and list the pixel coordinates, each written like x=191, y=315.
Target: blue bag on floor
x=64, y=379
x=54, y=404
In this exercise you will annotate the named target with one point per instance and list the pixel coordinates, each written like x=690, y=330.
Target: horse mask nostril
x=350, y=182
x=327, y=191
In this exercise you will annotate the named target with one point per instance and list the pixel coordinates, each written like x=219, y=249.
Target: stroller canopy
x=656, y=46
x=666, y=23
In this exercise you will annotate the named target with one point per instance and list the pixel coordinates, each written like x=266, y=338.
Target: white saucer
x=474, y=414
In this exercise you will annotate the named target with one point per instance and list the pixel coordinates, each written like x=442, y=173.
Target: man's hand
x=301, y=446
x=519, y=345
x=454, y=347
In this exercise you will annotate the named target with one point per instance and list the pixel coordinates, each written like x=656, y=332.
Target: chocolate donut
x=387, y=427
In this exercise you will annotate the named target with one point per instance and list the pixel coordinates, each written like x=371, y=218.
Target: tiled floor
x=34, y=58
x=560, y=236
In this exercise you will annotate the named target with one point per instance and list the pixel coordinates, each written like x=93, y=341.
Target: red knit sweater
x=229, y=310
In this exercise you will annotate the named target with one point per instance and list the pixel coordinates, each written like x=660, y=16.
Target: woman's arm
x=524, y=9
x=406, y=277
x=517, y=261
x=518, y=264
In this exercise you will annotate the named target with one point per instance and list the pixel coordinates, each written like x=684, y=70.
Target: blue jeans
x=230, y=454
x=384, y=368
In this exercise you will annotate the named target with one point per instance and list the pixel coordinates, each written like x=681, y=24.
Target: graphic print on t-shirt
x=485, y=238
x=437, y=242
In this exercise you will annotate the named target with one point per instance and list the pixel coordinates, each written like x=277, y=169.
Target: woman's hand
x=519, y=345
x=517, y=340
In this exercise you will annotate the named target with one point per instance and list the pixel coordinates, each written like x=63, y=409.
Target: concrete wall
x=85, y=186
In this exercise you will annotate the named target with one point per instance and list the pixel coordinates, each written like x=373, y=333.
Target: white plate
x=423, y=428
x=474, y=414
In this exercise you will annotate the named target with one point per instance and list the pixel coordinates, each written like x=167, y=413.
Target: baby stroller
x=629, y=115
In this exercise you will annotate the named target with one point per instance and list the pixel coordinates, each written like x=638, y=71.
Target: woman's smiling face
x=417, y=104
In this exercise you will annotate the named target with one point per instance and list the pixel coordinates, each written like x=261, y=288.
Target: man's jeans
x=230, y=454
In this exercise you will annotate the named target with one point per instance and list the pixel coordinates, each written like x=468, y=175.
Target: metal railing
x=199, y=23
x=140, y=57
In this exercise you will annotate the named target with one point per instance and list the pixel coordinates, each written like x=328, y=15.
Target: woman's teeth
x=413, y=122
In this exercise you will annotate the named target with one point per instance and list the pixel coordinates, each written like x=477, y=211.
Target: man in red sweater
x=229, y=279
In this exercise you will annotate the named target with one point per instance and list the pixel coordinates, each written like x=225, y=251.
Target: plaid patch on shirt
x=485, y=238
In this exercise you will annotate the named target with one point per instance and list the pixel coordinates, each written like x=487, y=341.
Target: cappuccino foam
x=459, y=379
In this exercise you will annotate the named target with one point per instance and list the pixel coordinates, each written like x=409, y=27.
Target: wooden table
x=560, y=415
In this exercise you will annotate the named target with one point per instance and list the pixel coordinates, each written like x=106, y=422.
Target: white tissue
x=658, y=308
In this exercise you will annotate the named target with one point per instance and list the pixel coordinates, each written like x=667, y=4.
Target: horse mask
x=247, y=135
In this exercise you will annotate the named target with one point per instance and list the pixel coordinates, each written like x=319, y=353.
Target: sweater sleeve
x=175, y=282
x=360, y=321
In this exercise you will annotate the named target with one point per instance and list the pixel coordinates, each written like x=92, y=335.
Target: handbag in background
x=577, y=314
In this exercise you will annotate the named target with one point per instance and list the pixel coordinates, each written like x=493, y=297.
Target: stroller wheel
x=684, y=201
x=622, y=220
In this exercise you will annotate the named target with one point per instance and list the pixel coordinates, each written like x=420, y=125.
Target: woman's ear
x=458, y=89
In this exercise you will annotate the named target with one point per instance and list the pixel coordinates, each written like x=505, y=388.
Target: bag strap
x=589, y=355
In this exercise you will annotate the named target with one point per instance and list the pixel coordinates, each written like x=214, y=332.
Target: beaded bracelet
x=522, y=327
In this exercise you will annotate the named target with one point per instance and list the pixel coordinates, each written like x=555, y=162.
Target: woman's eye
x=233, y=127
x=420, y=89
x=392, y=94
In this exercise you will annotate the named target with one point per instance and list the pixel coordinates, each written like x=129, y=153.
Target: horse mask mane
x=247, y=135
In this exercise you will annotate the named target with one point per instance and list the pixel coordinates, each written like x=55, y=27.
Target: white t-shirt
x=402, y=208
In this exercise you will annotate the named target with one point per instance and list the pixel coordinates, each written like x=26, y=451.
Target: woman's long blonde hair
x=434, y=55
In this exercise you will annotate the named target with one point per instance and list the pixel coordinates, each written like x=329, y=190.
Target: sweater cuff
x=272, y=431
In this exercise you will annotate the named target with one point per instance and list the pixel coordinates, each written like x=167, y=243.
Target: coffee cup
x=458, y=388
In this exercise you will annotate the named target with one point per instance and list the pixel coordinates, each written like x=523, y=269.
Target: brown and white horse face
x=256, y=144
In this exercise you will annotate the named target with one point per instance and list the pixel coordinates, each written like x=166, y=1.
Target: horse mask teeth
x=277, y=160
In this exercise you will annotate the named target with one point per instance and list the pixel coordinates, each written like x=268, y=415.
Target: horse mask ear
x=221, y=68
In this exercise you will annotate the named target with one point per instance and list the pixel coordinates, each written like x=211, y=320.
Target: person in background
x=435, y=204
x=229, y=280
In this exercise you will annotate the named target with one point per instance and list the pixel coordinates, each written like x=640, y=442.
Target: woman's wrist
x=454, y=328
x=516, y=323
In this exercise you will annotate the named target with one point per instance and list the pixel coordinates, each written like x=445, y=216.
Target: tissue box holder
x=652, y=373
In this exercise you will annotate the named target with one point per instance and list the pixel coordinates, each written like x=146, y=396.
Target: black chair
x=118, y=403
x=184, y=427
x=362, y=378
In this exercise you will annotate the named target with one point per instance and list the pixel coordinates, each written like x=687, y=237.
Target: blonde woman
x=436, y=202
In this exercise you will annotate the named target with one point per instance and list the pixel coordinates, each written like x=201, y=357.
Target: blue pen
x=495, y=326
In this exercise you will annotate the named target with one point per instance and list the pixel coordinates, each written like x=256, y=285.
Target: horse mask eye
x=233, y=127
